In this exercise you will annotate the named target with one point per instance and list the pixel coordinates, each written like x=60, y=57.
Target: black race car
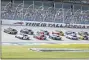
x=26, y=31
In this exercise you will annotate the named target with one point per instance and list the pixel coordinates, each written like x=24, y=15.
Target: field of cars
x=25, y=33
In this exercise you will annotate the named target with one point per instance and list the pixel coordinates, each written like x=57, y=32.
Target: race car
x=83, y=33
x=83, y=37
x=23, y=37
x=40, y=36
x=55, y=37
x=45, y=32
x=10, y=31
x=58, y=32
x=69, y=32
x=71, y=35
x=26, y=31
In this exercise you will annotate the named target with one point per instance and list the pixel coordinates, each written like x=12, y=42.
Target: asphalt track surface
x=7, y=38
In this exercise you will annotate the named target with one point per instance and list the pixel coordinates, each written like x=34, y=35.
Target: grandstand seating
x=44, y=13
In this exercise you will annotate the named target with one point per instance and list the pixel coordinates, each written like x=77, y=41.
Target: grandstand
x=60, y=11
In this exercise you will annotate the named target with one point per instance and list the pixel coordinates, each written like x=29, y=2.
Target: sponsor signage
x=19, y=23
x=62, y=25
x=43, y=24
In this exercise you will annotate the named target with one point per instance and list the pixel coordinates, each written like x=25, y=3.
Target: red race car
x=58, y=32
x=40, y=36
x=55, y=32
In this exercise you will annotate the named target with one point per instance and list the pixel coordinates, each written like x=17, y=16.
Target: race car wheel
x=85, y=39
x=22, y=38
x=4, y=31
x=9, y=32
x=15, y=36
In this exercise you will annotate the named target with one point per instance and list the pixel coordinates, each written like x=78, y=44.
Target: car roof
x=25, y=29
x=10, y=28
x=55, y=35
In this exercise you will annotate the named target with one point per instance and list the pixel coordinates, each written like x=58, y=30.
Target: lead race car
x=10, y=31
x=23, y=37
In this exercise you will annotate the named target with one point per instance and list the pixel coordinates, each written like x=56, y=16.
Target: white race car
x=55, y=37
x=23, y=37
x=72, y=36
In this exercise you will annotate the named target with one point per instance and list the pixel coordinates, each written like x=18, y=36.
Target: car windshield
x=24, y=30
x=42, y=35
x=73, y=34
x=29, y=30
x=69, y=32
x=45, y=31
x=10, y=28
x=13, y=29
x=55, y=35
x=25, y=35
x=85, y=33
x=60, y=31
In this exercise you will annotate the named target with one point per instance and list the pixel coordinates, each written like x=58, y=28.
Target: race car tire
x=15, y=36
x=9, y=32
x=22, y=38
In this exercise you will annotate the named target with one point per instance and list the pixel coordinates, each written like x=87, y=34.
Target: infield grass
x=23, y=52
